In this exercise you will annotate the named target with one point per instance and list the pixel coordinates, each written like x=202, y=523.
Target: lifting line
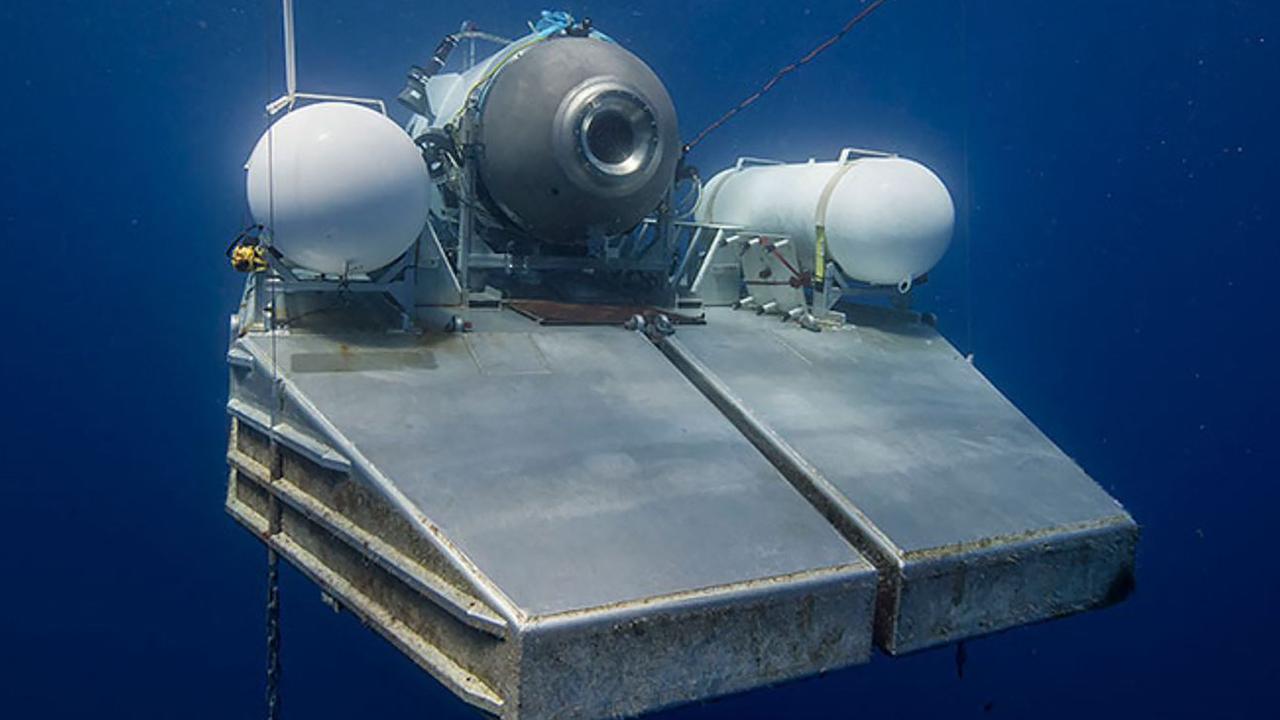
x=272, y=689
x=783, y=73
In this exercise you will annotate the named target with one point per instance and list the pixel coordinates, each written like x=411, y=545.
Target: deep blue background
x=1115, y=167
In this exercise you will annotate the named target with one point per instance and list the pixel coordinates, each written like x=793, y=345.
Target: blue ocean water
x=1115, y=169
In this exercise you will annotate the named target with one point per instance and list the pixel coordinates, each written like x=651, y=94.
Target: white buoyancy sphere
x=341, y=187
x=887, y=219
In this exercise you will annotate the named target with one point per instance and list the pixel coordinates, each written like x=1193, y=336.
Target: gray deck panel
x=579, y=469
x=901, y=424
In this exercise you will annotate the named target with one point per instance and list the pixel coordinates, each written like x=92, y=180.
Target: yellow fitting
x=248, y=258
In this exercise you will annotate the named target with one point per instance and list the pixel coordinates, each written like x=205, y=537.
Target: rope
x=796, y=275
x=785, y=71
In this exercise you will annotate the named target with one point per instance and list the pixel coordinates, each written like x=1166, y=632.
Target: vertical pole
x=290, y=62
x=666, y=240
x=466, y=212
x=716, y=242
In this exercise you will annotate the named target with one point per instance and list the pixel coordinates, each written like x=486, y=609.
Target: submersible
x=581, y=452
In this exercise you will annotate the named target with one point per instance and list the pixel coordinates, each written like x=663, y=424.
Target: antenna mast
x=290, y=55
x=291, y=95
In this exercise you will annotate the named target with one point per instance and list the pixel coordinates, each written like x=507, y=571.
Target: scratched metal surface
x=575, y=466
x=902, y=425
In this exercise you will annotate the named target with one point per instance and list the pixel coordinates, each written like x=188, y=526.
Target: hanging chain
x=273, y=635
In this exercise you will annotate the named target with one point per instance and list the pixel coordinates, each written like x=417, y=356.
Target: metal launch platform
x=562, y=521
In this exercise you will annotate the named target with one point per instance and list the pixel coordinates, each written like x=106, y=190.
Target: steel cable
x=785, y=71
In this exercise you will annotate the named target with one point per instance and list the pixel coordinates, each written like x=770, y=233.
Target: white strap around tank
x=848, y=156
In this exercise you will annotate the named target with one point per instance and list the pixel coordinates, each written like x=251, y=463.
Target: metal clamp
x=851, y=153
x=747, y=160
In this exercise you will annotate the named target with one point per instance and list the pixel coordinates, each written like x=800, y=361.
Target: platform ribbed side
x=393, y=590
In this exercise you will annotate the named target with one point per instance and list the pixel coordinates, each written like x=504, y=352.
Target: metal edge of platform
x=635, y=658
x=1023, y=575
x=467, y=654
x=456, y=601
x=1000, y=563
x=371, y=613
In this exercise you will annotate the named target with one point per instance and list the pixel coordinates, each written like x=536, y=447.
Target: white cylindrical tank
x=341, y=188
x=886, y=220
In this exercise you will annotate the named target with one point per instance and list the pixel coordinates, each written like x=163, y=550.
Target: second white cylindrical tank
x=885, y=220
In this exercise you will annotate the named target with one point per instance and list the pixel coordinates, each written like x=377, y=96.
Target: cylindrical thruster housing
x=578, y=138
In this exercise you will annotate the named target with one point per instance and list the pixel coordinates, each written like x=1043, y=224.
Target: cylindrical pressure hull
x=884, y=220
x=579, y=139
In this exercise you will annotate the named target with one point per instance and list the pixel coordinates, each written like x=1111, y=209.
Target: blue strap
x=552, y=21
